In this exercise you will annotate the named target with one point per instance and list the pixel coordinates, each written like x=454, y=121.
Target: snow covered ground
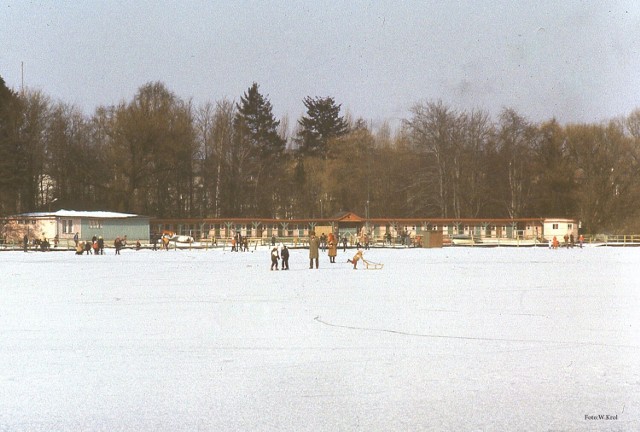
x=503, y=339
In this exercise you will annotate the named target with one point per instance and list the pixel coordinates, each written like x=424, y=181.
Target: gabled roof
x=347, y=217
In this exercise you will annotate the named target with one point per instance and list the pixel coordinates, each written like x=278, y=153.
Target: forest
x=161, y=156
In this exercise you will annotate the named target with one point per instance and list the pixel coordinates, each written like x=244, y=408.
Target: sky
x=575, y=61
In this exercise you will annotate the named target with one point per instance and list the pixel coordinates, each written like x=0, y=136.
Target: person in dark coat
x=87, y=247
x=25, y=242
x=117, y=243
x=284, y=254
x=101, y=245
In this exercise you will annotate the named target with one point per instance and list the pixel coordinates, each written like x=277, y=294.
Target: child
x=274, y=258
x=357, y=257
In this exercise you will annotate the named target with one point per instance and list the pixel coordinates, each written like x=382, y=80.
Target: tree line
x=161, y=156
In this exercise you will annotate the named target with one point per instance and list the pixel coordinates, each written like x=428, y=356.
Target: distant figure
x=76, y=239
x=333, y=248
x=138, y=245
x=274, y=258
x=165, y=242
x=117, y=243
x=357, y=257
x=344, y=244
x=581, y=240
x=154, y=242
x=56, y=240
x=79, y=248
x=273, y=240
x=25, y=242
x=101, y=245
x=314, y=245
x=284, y=254
x=87, y=247
x=556, y=243
x=323, y=242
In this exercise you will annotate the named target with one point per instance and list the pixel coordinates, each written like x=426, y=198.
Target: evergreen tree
x=257, y=137
x=322, y=123
x=12, y=156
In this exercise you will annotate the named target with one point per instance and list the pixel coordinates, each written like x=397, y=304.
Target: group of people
x=569, y=241
x=240, y=243
x=331, y=245
x=42, y=245
x=280, y=253
x=95, y=246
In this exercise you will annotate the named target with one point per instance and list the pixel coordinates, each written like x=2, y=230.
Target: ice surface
x=504, y=339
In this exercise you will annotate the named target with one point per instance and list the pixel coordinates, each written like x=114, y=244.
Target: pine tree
x=257, y=133
x=322, y=123
x=11, y=152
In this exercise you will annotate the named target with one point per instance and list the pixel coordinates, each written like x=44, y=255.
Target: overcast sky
x=577, y=61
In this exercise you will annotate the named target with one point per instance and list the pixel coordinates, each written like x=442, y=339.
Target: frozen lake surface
x=459, y=339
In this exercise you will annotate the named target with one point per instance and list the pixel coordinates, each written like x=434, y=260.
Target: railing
x=616, y=240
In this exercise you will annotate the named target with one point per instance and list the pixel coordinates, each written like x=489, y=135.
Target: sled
x=369, y=265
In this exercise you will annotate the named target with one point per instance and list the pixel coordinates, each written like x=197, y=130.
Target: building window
x=570, y=226
x=554, y=226
x=67, y=226
x=95, y=223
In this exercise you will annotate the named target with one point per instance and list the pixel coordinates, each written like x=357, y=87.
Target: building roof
x=80, y=214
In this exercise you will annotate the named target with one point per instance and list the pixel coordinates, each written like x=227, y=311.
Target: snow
x=439, y=339
x=79, y=214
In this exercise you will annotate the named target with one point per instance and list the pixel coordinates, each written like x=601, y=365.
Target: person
x=233, y=244
x=344, y=244
x=154, y=241
x=284, y=254
x=572, y=240
x=357, y=257
x=76, y=239
x=165, y=242
x=566, y=241
x=556, y=243
x=79, y=248
x=87, y=247
x=273, y=240
x=117, y=243
x=581, y=240
x=56, y=240
x=101, y=245
x=25, y=242
x=96, y=247
x=323, y=242
x=333, y=248
x=138, y=245
x=274, y=258
x=314, y=245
